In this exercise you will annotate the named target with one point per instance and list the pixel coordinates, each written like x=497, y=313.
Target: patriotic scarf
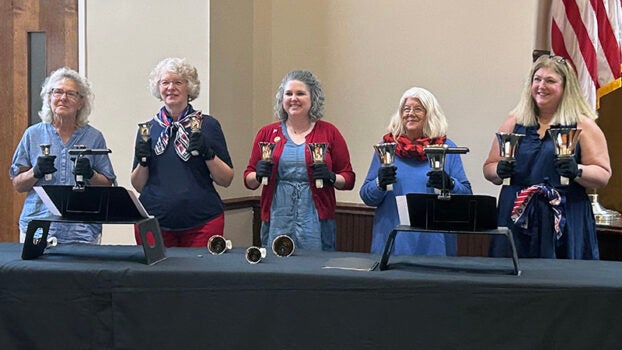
x=412, y=149
x=523, y=208
x=169, y=126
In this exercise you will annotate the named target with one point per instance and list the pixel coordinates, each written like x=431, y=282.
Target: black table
x=104, y=297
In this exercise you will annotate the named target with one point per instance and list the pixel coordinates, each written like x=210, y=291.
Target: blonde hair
x=572, y=105
x=436, y=123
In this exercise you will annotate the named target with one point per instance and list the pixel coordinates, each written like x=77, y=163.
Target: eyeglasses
x=415, y=110
x=72, y=95
x=176, y=83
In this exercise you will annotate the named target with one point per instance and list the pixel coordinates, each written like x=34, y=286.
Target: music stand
x=96, y=205
x=461, y=214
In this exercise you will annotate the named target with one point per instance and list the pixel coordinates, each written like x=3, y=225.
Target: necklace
x=298, y=132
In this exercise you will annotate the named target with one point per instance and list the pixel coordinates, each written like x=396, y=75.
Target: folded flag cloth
x=523, y=206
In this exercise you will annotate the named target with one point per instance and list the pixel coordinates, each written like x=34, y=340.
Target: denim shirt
x=26, y=154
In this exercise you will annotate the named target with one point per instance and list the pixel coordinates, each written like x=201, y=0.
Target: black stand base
x=384, y=262
x=35, y=247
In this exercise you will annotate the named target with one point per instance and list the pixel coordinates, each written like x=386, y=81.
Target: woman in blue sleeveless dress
x=549, y=219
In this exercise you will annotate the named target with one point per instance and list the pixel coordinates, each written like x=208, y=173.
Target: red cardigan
x=337, y=158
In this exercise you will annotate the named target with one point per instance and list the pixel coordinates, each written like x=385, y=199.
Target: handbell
x=565, y=141
x=508, y=145
x=255, y=254
x=195, y=127
x=45, y=150
x=436, y=155
x=283, y=246
x=318, y=154
x=145, y=133
x=217, y=244
x=266, y=149
x=386, y=155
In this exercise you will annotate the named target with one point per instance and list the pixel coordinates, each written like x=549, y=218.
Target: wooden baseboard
x=355, y=223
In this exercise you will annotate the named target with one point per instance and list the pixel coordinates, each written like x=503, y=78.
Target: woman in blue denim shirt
x=67, y=102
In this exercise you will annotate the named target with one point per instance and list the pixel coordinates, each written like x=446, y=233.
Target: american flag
x=588, y=33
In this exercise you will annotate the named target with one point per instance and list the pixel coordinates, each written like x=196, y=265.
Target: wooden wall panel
x=59, y=20
x=355, y=224
x=610, y=121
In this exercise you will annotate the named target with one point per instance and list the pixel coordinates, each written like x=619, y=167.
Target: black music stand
x=96, y=205
x=460, y=214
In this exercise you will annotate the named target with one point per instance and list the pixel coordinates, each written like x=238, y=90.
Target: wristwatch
x=580, y=172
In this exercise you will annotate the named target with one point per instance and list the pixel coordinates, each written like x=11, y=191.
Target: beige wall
x=473, y=55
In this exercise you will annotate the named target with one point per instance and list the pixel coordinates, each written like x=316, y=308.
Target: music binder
x=97, y=205
x=458, y=214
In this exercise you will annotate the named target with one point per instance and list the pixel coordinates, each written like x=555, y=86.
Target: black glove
x=263, y=169
x=567, y=167
x=198, y=146
x=320, y=171
x=386, y=176
x=83, y=167
x=45, y=165
x=505, y=169
x=438, y=178
x=142, y=152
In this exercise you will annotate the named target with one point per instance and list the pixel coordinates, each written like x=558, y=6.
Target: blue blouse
x=26, y=154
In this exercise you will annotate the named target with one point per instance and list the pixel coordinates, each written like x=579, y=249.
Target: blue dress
x=411, y=178
x=535, y=165
x=293, y=211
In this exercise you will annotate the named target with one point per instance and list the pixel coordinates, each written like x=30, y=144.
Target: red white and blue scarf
x=181, y=136
x=523, y=206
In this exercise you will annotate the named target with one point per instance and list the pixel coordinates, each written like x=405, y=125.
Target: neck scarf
x=413, y=149
x=523, y=210
x=178, y=127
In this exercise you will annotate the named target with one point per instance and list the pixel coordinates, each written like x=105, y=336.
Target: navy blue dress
x=535, y=165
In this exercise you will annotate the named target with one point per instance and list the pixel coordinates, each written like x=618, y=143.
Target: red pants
x=194, y=237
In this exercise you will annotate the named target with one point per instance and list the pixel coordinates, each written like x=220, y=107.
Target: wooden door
x=56, y=21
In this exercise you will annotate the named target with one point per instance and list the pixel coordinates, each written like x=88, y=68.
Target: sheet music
x=354, y=264
x=47, y=201
x=402, y=210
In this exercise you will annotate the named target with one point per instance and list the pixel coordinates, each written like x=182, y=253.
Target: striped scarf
x=523, y=207
x=179, y=127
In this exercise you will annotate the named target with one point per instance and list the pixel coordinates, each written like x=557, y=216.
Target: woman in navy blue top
x=175, y=169
x=549, y=219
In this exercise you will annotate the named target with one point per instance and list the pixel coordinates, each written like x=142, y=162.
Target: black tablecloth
x=104, y=297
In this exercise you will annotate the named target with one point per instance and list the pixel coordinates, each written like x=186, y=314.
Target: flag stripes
x=588, y=34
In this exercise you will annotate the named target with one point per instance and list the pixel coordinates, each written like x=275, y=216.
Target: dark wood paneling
x=610, y=121
x=355, y=224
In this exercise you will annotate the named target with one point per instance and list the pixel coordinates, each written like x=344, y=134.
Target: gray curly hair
x=177, y=66
x=316, y=112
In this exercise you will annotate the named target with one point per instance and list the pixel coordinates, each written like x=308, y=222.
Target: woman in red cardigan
x=298, y=199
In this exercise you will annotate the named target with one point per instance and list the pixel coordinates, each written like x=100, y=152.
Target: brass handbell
x=266, y=149
x=386, y=155
x=436, y=156
x=508, y=145
x=565, y=141
x=195, y=127
x=318, y=154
